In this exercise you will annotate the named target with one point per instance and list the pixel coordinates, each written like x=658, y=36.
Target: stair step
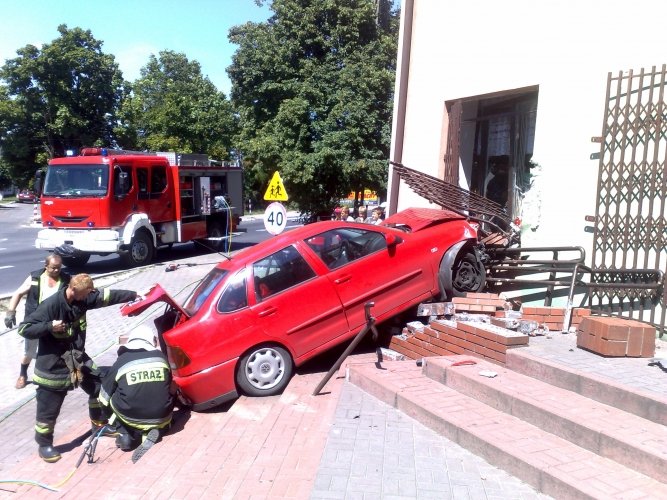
x=549, y=463
x=648, y=405
x=607, y=431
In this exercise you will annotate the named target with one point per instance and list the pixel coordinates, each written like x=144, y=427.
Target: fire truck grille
x=70, y=220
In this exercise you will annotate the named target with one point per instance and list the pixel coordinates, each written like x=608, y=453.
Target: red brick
x=403, y=350
x=614, y=348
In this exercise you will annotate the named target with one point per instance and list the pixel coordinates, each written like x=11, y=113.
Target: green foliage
x=313, y=90
x=60, y=96
x=172, y=107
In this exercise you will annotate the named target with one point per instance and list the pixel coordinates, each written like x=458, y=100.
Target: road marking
x=6, y=267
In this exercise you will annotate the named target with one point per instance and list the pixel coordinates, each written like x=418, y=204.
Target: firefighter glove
x=10, y=319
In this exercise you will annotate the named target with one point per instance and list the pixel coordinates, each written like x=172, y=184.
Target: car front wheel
x=264, y=371
x=468, y=275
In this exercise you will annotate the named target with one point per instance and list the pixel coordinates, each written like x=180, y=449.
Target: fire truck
x=107, y=201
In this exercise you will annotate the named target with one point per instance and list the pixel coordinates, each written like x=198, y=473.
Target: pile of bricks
x=553, y=317
x=612, y=336
x=444, y=338
x=487, y=303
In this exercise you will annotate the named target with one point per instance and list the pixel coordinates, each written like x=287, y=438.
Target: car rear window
x=204, y=290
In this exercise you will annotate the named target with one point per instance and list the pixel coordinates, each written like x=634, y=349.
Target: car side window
x=235, y=295
x=337, y=247
x=280, y=271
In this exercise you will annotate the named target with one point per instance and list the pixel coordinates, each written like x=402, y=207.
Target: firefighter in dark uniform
x=137, y=389
x=62, y=363
x=37, y=287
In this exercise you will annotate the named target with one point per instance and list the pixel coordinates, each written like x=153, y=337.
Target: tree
x=313, y=89
x=172, y=107
x=60, y=96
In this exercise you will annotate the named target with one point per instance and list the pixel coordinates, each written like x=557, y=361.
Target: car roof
x=267, y=247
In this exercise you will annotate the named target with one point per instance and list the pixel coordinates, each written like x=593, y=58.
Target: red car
x=276, y=305
x=26, y=196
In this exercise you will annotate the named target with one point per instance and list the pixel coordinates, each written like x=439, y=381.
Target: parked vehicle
x=26, y=196
x=276, y=305
x=113, y=201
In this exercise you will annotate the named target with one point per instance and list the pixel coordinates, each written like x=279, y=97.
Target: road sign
x=276, y=190
x=275, y=218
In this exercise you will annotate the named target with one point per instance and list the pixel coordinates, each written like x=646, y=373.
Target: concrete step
x=651, y=406
x=551, y=464
x=605, y=430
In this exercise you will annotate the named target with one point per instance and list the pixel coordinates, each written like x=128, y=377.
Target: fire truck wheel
x=140, y=252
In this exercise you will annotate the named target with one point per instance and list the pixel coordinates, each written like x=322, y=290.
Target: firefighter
x=37, y=287
x=62, y=363
x=137, y=389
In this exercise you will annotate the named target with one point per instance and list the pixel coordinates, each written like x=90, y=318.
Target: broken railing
x=638, y=293
x=623, y=292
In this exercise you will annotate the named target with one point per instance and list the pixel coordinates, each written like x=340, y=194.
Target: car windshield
x=205, y=288
x=76, y=181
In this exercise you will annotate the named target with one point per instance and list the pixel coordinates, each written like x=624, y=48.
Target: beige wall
x=467, y=48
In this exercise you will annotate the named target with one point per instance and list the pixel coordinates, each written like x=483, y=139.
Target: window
x=203, y=290
x=116, y=179
x=234, y=296
x=142, y=181
x=280, y=271
x=340, y=246
x=158, y=179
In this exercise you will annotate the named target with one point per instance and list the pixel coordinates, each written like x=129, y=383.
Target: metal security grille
x=630, y=229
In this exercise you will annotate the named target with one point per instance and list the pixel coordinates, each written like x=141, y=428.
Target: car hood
x=420, y=218
x=155, y=295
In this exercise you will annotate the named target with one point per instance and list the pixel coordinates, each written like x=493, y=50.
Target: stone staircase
x=566, y=433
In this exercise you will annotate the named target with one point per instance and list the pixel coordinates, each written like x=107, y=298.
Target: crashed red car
x=276, y=305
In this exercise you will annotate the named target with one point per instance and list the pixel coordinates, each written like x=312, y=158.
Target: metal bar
x=370, y=326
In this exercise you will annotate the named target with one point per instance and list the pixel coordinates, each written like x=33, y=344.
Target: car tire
x=264, y=371
x=468, y=274
x=140, y=252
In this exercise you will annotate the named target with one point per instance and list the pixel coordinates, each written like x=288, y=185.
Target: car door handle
x=343, y=279
x=267, y=312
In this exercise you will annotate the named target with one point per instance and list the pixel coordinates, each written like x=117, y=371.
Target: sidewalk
x=295, y=445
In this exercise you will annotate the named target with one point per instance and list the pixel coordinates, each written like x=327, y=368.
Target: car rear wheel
x=264, y=371
x=468, y=274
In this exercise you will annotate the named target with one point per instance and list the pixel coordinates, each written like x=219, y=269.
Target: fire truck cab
x=106, y=201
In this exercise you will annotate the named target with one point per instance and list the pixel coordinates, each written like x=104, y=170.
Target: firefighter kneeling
x=137, y=390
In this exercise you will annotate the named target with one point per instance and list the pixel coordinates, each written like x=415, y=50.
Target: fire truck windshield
x=76, y=181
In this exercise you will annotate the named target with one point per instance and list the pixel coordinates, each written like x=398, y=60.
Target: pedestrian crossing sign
x=276, y=190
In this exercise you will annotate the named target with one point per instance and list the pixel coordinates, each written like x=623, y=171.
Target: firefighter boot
x=124, y=442
x=44, y=439
x=49, y=454
x=103, y=429
x=148, y=441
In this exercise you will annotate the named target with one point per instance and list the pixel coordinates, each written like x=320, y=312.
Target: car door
x=294, y=305
x=363, y=268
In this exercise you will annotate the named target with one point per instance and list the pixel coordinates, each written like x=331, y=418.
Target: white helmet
x=142, y=337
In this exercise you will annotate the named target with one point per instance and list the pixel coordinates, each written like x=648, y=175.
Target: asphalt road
x=18, y=255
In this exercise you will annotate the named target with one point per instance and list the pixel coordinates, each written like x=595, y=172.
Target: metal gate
x=630, y=230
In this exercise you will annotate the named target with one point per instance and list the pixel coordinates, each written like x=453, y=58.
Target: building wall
x=467, y=48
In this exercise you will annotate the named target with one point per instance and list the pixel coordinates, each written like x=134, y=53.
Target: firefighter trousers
x=49, y=403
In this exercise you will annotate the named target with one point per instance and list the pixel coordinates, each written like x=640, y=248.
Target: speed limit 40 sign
x=275, y=218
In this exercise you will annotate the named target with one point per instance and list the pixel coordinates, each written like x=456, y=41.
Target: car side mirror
x=392, y=240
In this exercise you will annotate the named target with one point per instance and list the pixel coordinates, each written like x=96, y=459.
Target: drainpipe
x=400, y=100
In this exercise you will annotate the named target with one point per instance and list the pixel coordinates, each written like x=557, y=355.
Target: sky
x=132, y=30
